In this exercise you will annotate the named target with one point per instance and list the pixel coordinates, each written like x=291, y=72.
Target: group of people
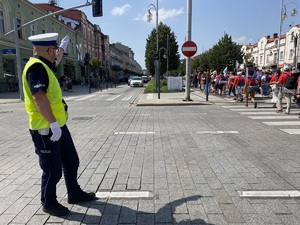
x=244, y=86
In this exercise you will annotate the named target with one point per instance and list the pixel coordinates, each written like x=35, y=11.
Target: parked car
x=136, y=82
x=145, y=79
x=129, y=79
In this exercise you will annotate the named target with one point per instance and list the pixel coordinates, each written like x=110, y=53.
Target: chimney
x=52, y=2
x=275, y=35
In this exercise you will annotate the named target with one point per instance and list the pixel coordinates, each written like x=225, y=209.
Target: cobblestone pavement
x=193, y=160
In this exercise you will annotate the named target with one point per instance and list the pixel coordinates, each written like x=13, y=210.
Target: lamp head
x=294, y=12
x=149, y=16
x=284, y=16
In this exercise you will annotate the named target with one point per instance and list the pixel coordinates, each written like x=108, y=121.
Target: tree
x=225, y=54
x=95, y=64
x=174, y=57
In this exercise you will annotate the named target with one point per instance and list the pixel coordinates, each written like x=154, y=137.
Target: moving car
x=136, y=82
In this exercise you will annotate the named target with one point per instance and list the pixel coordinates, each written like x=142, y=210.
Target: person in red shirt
x=230, y=84
x=288, y=95
x=250, y=89
x=239, y=83
x=275, y=87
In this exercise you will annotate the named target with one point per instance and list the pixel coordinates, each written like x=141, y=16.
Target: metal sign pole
x=18, y=60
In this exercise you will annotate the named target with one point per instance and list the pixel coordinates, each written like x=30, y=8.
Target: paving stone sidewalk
x=194, y=177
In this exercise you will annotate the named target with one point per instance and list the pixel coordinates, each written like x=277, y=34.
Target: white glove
x=64, y=42
x=56, y=131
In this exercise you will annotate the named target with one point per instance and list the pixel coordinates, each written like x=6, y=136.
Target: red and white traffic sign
x=189, y=48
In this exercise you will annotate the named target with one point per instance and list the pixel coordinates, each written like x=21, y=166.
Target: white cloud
x=242, y=40
x=119, y=11
x=163, y=14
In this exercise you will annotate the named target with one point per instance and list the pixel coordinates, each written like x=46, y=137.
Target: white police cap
x=48, y=39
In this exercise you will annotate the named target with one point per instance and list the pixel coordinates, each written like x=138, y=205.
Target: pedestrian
x=231, y=84
x=239, y=83
x=250, y=89
x=284, y=92
x=275, y=87
x=206, y=83
x=47, y=125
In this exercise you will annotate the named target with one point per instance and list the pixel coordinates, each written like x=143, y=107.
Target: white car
x=136, y=82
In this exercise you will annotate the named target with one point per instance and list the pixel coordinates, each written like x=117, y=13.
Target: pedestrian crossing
x=267, y=115
x=99, y=97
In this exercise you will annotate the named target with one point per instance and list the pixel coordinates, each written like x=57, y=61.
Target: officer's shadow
x=99, y=212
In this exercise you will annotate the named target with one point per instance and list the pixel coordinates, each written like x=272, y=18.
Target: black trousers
x=55, y=158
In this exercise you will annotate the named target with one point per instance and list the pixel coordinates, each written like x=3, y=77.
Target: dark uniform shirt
x=37, y=76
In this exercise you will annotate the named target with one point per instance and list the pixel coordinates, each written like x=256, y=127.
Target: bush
x=151, y=87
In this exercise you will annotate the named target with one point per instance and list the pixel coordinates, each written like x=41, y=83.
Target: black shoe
x=57, y=210
x=82, y=197
x=255, y=105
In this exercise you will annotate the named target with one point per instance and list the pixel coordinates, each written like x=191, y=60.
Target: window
x=275, y=57
x=43, y=29
x=20, y=33
x=2, y=24
x=261, y=45
x=292, y=36
x=256, y=60
x=261, y=59
x=291, y=53
x=281, y=55
x=32, y=29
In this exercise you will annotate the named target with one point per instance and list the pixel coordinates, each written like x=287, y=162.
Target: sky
x=246, y=21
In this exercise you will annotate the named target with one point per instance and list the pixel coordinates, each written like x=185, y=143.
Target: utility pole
x=188, y=59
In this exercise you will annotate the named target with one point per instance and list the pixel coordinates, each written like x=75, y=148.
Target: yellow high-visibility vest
x=54, y=95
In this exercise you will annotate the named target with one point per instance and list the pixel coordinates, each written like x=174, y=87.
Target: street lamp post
x=283, y=16
x=166, y=56
x=295, y=37
x=151, y=6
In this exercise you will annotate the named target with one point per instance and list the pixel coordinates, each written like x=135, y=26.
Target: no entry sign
x=189, y=48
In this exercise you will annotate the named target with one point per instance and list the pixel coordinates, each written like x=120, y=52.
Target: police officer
x=47, y=124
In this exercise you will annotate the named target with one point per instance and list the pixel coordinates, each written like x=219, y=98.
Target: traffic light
x=87, y=59
x=97, y=8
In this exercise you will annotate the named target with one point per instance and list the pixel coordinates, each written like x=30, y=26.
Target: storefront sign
x=9, y=51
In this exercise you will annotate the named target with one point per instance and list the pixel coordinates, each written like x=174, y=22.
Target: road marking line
x=291, y=131
x=136, y=132
x=217, y=132
x=86, y=97
x=249, y=109
x=288, y=123
x=274, y=194
x=127, y=98
x=272, y=117
x=257, y=113
x=113, y=98
x=125, y=194
x=69, y=98
x=97, y=98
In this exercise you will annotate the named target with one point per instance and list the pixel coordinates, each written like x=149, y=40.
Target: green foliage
x=95, y=63
x=223, y=54
x=151, y=86
x=174, y=57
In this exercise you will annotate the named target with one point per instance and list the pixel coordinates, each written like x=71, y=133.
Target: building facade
x=24, y=12
x=274, y=51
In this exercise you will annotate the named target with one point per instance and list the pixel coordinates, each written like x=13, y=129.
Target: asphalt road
x=195, y=162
